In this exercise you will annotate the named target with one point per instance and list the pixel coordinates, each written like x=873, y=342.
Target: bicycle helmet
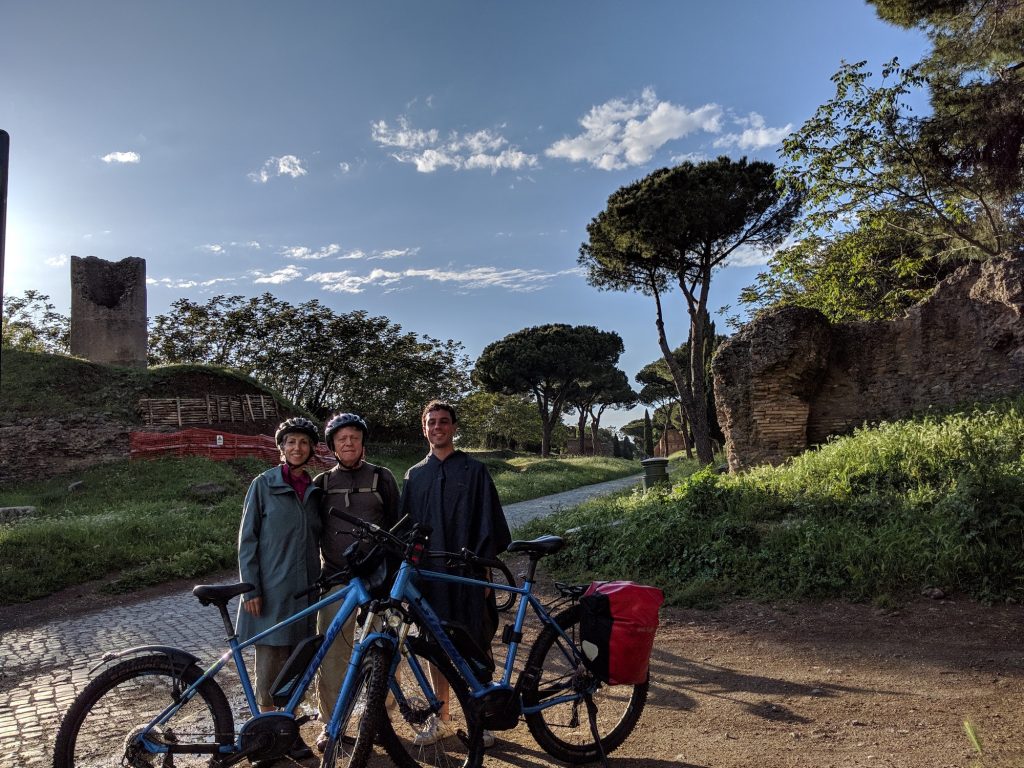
x=297, y=424
x=340, y=420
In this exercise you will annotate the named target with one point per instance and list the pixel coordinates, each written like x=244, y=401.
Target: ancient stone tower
x=108, y=310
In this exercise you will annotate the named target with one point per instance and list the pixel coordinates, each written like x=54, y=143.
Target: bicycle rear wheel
x=413, y=735
x=362, y=715
x=101, y=726
x=563, y=730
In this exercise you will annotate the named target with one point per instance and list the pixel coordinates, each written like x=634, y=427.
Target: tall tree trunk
x=697, y=405
x=686, y=394
x=545, y=422
x=581, y=428
x=684, y=430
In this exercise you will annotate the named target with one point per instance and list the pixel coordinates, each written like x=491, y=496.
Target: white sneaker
x=436, y=730
x=488, y=739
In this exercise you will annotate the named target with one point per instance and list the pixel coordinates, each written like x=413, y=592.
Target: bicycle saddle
x=542, y=545
x=219, y=594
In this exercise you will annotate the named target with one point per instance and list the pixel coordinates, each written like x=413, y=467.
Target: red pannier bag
x=617, y=629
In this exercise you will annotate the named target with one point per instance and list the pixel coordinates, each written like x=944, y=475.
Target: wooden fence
x=212, y=409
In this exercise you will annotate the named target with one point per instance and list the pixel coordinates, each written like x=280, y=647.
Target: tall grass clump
x=932, y=501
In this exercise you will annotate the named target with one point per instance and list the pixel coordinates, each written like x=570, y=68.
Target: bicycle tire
x=97, y=728
x=563, y=730
x=399, y=729
x=503, y=600
x=355, y=745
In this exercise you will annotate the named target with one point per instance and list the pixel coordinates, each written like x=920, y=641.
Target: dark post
x=5, y=154
x=655, y=472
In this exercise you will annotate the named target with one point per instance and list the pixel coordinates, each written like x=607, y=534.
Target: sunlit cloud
x=212, y=248
x=57, y=261
x=689, y=157
x=619, y=133
x=277, y=277
x=516, y=280
x=395, y=253
x=304, y=253
x=167, y=282
x=429, y=152
x=349, y=282
x=286, y=165
x=344, y=167
x=122, y=158
x=755, y=134
x=184, y=284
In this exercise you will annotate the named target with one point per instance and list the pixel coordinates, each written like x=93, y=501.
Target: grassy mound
x=934, y=501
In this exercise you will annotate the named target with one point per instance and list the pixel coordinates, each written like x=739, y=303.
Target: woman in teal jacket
x=279, y=554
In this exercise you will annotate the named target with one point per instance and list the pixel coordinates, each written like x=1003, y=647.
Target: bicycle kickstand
x=592, y=717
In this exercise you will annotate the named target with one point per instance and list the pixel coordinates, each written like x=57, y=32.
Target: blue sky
x=434, y=162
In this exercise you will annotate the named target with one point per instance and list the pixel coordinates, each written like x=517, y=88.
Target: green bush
x=932, y=501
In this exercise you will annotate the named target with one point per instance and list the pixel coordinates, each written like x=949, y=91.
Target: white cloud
x=57, y=261
x=212, y=248
x=619, y=134
x=167, y=282
x=689, y=157
x=308, y=254
x=402, y=137
x=517, y=280
x=347, y=282
x=483, y=149
x=286, y=165
x=277, y=277
x=755, y=134
x=744, y=256
x=122, y=157
x=344, y=167
x=395, y=253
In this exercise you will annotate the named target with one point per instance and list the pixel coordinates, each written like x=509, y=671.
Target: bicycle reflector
x=417, y=546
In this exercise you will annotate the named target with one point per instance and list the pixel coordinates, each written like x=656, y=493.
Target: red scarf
x=299, y=480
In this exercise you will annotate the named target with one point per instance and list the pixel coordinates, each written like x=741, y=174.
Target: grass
x=933, y=501
x=139, y=523
x=39, y=384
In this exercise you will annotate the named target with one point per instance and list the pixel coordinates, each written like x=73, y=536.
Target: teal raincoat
x=278, y=553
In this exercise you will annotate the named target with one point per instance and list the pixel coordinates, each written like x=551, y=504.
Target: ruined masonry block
x=108, y=310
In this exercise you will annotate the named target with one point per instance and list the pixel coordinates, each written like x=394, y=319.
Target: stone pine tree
x=673, y=228
x=648, y=434
x=547, y=362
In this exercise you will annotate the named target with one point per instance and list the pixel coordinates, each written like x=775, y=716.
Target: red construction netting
x=219, y=446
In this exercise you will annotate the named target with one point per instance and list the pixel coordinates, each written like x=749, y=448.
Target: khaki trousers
x=332, y=671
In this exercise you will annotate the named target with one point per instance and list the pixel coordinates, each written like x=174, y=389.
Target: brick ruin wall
x=790, y=379
x=108, y=310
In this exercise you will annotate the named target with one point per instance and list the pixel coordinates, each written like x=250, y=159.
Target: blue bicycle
x=157, y=707
x=441, y=698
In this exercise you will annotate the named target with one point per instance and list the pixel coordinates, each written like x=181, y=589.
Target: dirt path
x=825, y=685
x=813, y=685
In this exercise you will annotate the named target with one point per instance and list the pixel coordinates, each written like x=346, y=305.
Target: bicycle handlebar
x=408, y=548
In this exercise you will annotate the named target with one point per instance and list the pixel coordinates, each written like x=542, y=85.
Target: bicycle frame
x=404, y=589
x=353, y=595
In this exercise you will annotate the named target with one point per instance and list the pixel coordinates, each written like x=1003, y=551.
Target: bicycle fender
x=177, y=656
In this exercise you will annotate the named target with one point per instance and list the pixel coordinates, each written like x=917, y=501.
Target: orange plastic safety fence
x=219, y=446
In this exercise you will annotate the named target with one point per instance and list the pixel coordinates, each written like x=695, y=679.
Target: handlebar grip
x=356, y=521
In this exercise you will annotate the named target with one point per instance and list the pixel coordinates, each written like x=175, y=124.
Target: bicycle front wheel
x=412, y=734
x=362, y=714
x=564, y=730
x=104, y=724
